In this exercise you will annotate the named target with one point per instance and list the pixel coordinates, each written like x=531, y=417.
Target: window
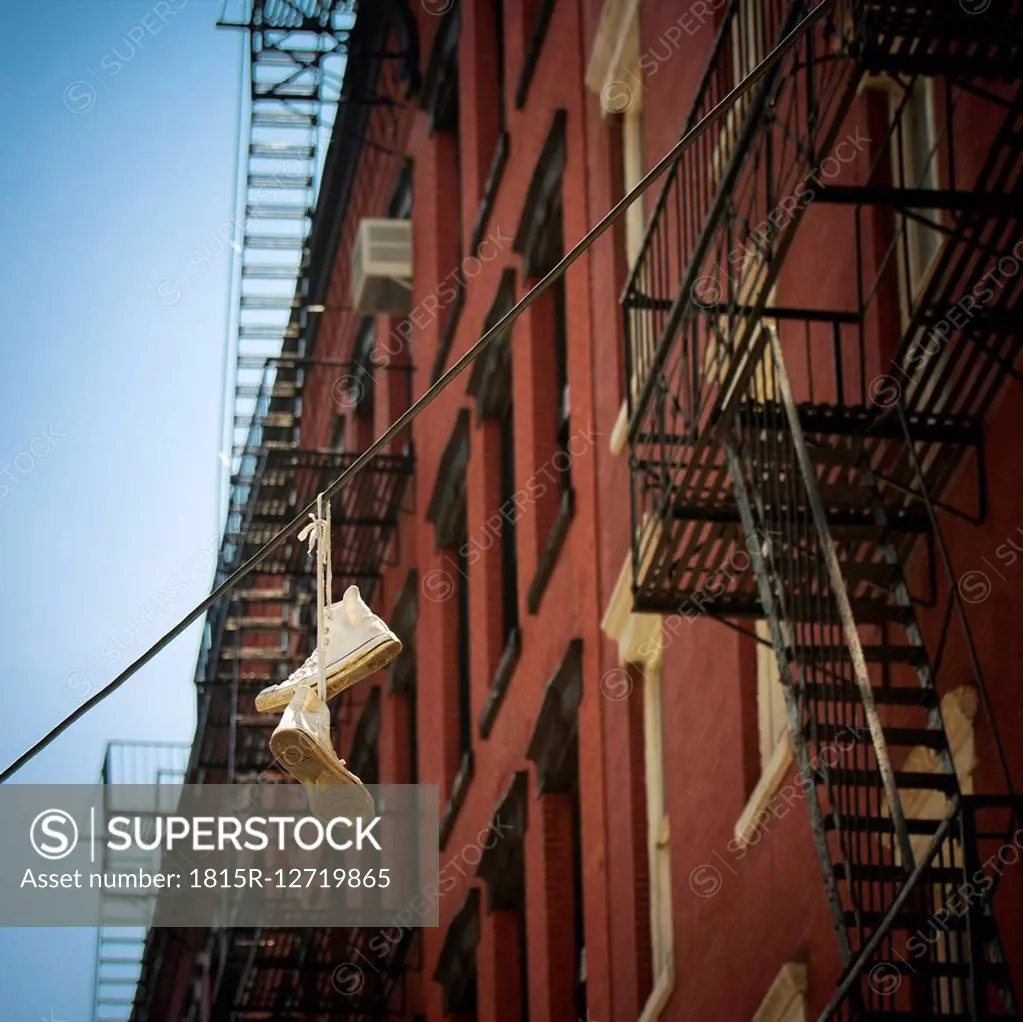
x=400, y=207
x=615, y=75
x=561, y=369
x=365, y=755
x=445, y=120
x=774, y=749
x=462, y=602
x=639, y=645
x=915, y=159
x=337, y=434
x=554, y=749
x=447, y=512
x=772, y=718
x=578, y=918
x=355, y=388
x=632, y=165
x=548, y=250
x=402, y=676
x=658, y=836
x=509, y=574
x=491, y=384
x=413, y=732
x=441, y=102
x=498, y=16
x=503, y=869
x=540, y=241
x=456, y=964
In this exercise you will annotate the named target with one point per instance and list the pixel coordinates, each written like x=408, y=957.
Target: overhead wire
x=498, y=329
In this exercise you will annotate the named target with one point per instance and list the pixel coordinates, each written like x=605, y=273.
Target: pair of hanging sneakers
x=357, y=644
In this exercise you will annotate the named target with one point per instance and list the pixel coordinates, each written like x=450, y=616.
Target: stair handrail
x=957, y=600
x=242, y=502
x=854, y=971
x=640, y=392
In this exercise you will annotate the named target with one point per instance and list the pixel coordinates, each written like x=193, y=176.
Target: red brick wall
x=771, y=906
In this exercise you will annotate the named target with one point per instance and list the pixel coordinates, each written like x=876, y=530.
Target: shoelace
x=318, y=534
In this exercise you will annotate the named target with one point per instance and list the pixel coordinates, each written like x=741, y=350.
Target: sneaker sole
x=309, y=763
x=344, y=675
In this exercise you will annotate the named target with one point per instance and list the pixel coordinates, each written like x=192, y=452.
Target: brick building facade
x=587, y=595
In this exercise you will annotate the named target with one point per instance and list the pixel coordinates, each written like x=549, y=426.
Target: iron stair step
x=889, y=874
x=879, y=573
x=273, y=241
x=855, y=522
x=914, y=921
x=832, y=420
x=845, y=531
x=287, y=58
x=909, y=737
x=246, y=680
x=873, y=654
x=246, y=624
x=270, y=271
x=277, y=211
x=990, y=204
x=907, y=780
x=260, y=653
x=828, y=454
x=259, y=720
x=263, y=332
x=282, y=150
x=913, y=1017
x=843, y=493
x=910, y=1016
x=884, y=695
x=875, y=611
x=881, y=824
x=280, y=181
x=281, y=117
x=272, y=420
x=994, y=972
x=265, y=92
x=270, y=302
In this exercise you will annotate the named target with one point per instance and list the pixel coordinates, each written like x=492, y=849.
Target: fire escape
x=140, y=778
x=794, y=462
x=263, y=629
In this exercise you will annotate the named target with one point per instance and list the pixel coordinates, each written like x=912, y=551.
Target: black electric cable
x=497, y=330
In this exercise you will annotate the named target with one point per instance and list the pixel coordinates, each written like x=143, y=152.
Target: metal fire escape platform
x=794, y=463
x=258, y=634
x=124, y=916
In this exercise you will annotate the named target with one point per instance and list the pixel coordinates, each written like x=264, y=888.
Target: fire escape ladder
x=863, y=705
x=808, y=481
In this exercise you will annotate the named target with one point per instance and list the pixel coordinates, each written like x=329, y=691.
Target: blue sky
x=119, y=145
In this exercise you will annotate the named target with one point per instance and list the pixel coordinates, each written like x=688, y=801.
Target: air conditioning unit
x=382, y=268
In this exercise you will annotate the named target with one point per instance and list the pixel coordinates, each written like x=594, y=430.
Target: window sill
x=551, y=550
x=499, y=684
x=659, y=996
x=458, y=792
x=774, y=772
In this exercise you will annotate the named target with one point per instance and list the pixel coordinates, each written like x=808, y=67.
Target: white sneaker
x=358, y=643
x=301, y=744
